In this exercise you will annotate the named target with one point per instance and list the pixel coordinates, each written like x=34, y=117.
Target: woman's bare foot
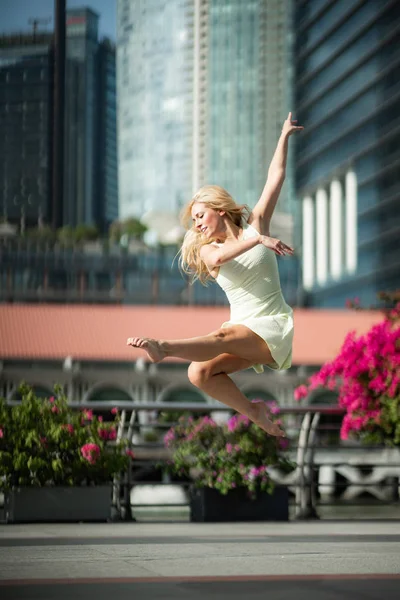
x=261, y=419
x=152, y=347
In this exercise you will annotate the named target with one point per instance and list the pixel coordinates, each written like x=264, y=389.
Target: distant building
x=96, y=272
x=201, y=100
x=91, y=192
x=154, y=82
x=347, y=163
x=106, y=202
x=245, y=95
x=26, y=109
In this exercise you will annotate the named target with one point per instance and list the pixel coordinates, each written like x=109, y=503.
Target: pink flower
x=90, y=452
x=100, y=419
x=283, y=443
x=300, y=392
x=112, y=434
x=107, y=434
x=55, y=410
x=103, y=433
x=228, y=448
x=129, y=453
x=51, y=399
x=273, y=407
x=1, y=433
x=236, y=421
x=68, y=427
x=87, y=415
x=114, y=411
x=169, y=437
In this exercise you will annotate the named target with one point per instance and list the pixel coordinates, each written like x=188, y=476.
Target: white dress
x=252, y=285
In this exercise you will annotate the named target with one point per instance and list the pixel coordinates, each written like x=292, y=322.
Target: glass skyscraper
x=26, y=109
x=201, y=100
x=91, y=177
x=81, y=108
x=106, y=205
x=154, y=82
x=347, y=163
x=248, y=93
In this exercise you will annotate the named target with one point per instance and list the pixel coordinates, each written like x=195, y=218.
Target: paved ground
x=188, y=561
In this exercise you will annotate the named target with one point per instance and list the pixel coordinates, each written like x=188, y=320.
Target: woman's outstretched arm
x=263, y=211
x=215, y=256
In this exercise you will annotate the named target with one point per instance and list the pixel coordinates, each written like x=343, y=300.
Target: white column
x=336, y=229
x=322, y=235
x=351, y=221
x=308, y=243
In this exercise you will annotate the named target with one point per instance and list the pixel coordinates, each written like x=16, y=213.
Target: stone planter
x=208, y=505
x=62, y=504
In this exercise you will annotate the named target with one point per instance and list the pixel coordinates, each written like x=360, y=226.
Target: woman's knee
x=199, y=373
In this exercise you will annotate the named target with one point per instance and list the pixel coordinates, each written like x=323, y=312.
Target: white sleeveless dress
x=252, y=285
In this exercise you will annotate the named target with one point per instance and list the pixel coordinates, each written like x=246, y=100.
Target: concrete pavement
x=311, y=560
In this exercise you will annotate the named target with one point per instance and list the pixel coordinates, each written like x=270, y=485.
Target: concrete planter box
x=208, y=505
x=62, y=504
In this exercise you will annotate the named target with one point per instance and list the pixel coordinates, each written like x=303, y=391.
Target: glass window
x=318, y=29
x=307, y=10
x=336, y=125
x=342, y=91
x=341, y=36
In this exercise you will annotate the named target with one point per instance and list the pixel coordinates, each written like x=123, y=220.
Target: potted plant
x=57, y=464
x=228, y=465
x=366, y=375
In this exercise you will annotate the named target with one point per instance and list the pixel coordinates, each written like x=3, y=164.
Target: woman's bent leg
x=235, y=339
x=212, y=377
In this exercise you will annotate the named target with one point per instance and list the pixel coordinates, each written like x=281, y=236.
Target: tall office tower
x=248, y=92
x=154, y=83
x=201, y=100
x=81, y=108
x=26, y=108
x=347, y=163
x=90, y=179
x=106, y=204
x=27, y=111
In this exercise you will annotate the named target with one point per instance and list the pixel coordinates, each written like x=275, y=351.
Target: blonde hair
x=214, y=197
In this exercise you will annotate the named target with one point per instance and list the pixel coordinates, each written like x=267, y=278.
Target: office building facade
x=89, y=85
x=248, y=94
x=154, y=82
x=26, y=113
x=106, y=203
x=347, y=161
x=200, y=101
x=27, y=107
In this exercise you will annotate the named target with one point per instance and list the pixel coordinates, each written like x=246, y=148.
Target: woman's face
x=206, y=220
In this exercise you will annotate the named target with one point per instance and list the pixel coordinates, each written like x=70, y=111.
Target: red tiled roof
x=93, y=332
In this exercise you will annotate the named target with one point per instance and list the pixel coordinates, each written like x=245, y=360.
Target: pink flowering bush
x=225, y=457
x=45, y=442
x=366, y=374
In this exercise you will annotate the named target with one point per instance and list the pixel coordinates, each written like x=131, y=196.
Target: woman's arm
x=215, y=256
x=263, y=211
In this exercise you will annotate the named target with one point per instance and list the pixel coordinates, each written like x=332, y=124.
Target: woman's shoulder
x=249, y=228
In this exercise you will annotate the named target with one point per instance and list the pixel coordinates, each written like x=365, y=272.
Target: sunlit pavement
x=302, y=560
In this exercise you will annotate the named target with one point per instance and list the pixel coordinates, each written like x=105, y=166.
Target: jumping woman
x=230, y=244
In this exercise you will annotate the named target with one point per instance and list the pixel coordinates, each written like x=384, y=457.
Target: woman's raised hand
x=276, y=245
x=290, y=126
